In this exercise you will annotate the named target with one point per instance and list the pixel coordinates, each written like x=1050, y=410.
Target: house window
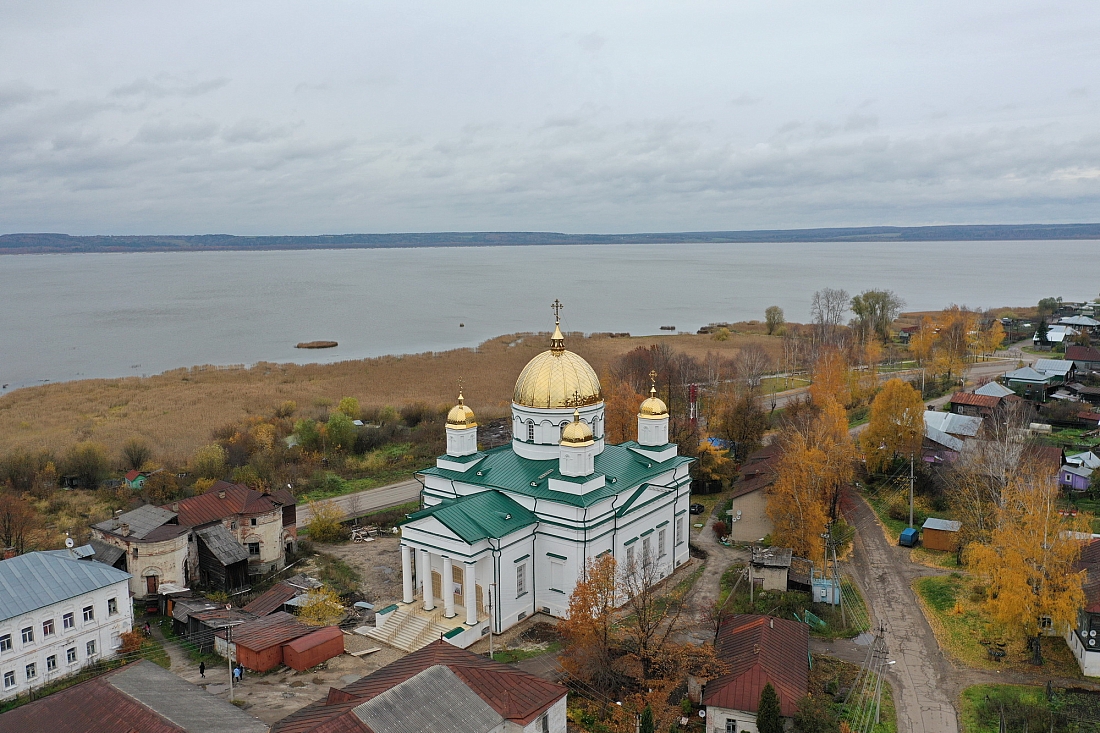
x=731, y=726
x=112, y=606
x=232, y=525
x=47, y=627
x=51, y=663
x=5, y=643
x=521, y=579
x=254, y=548
x=28, y=635
x=557, y=575
x=90, y=647
x=543, y=723
x=32, y=671
x=252, y=521
x=135, y=551
x=67, y=621
x=1045, y=622
x=9, y=680
x=70, y=655
x=660, y=543
x=89, y=613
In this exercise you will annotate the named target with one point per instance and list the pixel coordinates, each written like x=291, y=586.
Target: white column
x=426, y=574
x=469, y=593
x=406, y=574
x=448, y=589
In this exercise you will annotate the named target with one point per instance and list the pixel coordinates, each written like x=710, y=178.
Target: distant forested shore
x=63, y=243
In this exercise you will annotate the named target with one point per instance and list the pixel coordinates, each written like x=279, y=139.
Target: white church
x=506, y=533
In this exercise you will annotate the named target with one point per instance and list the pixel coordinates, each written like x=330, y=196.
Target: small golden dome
x=557, y=378
x=653, y=407
x=460, y=415
x=576, y=433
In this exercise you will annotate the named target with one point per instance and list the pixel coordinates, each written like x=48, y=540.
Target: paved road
x=924, y=688
x=361, y=502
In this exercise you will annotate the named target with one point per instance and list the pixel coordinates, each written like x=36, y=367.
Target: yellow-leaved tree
x=830, y=378
x=1030, y=557
x=818, y=459
x=322, y=607
x=589, y=629
x=896, y=424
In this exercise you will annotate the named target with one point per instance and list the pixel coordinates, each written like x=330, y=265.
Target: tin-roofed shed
x=941, y=534
x=312, y=649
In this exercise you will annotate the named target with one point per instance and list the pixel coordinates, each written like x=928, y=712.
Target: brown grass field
x=176, y=412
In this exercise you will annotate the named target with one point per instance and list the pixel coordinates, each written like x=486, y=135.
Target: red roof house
x=759, y=650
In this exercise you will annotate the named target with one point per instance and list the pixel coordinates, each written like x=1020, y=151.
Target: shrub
x=324, y=525
x=720, y=528
x=210, y=461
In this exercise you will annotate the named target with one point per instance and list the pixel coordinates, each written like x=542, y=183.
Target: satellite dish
x=703, y=713
x=69, y=542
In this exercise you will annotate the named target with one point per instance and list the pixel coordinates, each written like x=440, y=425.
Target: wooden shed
x=258, y=645
x=312, y=649
x=941, y=534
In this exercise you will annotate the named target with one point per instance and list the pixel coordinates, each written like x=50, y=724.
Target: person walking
x=237, y=674
x=202, y=669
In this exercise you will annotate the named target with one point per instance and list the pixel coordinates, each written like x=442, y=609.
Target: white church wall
x=515, y=599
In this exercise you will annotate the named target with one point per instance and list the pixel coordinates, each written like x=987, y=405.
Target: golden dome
x=557, y=378
x=460, y=415
x=653, y=407
x=576, y=433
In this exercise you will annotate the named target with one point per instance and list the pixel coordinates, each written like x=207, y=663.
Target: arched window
x=530, y=431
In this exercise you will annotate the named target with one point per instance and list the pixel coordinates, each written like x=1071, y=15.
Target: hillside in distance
x=63, y=243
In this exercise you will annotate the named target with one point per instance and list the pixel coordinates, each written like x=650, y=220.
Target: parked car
x=696, y=508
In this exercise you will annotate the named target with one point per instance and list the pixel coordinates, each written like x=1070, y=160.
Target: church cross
x=556, y=306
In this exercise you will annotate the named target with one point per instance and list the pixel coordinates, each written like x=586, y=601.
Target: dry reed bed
x=177, y=410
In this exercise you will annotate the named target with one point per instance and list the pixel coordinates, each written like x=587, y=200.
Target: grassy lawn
x=1026, y=708
x=337, y=486
x=934, y=558
x=337, y=574
x=791, y=603
x=781, y=384
x=953, y=606
x=1072, y=440
x=511, y=656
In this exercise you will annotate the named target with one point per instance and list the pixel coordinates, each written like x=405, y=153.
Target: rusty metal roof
x=269, y=631
x=759, y=650
x=222, y=500
x=977, y=400
x=273, y=599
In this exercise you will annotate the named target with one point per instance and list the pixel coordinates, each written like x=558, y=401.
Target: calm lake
x=76, y=316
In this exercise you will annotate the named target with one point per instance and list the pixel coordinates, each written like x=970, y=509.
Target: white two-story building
x=57, y=614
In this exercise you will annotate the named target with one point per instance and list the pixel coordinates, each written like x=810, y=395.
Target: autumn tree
x=741, y=420
x=621, y=405
x=588, y=630
x=818, y=459
x=773, y=317
x=18, y=520
x=340, y=432
x=830, y=378
x=136, y=453
x=992, y=337
x=350, y=407
x=896, y=426
x=210, y=461
x=322, y=607
x=325, y=522
x=1030, y=558
x=653, y=608
x=922, y=342
x=308, y=435
x=752, y=363
x=161, y=488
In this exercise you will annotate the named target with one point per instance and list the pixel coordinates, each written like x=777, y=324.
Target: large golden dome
x=557, y=378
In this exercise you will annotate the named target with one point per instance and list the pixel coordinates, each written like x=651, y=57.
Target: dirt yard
x=378, y=564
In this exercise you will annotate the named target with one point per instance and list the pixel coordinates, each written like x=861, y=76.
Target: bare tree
x=654, y=608
x=752, y=363
x=827, y=311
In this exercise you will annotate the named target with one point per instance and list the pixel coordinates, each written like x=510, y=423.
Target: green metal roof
x=480, y=516
x=503, y=469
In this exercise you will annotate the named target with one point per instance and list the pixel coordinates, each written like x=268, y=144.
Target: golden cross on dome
x=576, y=398
x=460, y=380
x=556, y=306
x=653, y=378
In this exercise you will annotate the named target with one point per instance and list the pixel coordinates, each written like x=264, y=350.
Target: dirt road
x=362, y=502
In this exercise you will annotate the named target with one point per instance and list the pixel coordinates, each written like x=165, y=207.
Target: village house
x=1084, y=636
x=140, y=696
x=1085, y=358
x=216, y=540
x=57, y=614
x=945, y=434
x=758, y=650
x=430, y=690
x=748, y=520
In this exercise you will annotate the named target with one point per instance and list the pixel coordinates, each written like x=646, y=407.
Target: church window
x=557, y=576
x=680, y=531
x=530, y=431
x=660, y=543
x=521, y=579
x=630, y=556
x=647, y=551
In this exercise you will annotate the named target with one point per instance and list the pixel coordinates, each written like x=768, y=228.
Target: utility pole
x=229, y=653
x=911, y=481
x=491, y=587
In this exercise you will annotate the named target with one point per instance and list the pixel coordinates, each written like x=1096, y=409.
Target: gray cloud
x=167, y=87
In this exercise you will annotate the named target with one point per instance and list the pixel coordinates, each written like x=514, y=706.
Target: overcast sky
x=330, y=117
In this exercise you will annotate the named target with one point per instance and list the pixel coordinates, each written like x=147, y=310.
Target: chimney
x=771, y=623
x=124, y=529
x=175, y=506
x=9, y=553
x=221, y=494
x=118, y=512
